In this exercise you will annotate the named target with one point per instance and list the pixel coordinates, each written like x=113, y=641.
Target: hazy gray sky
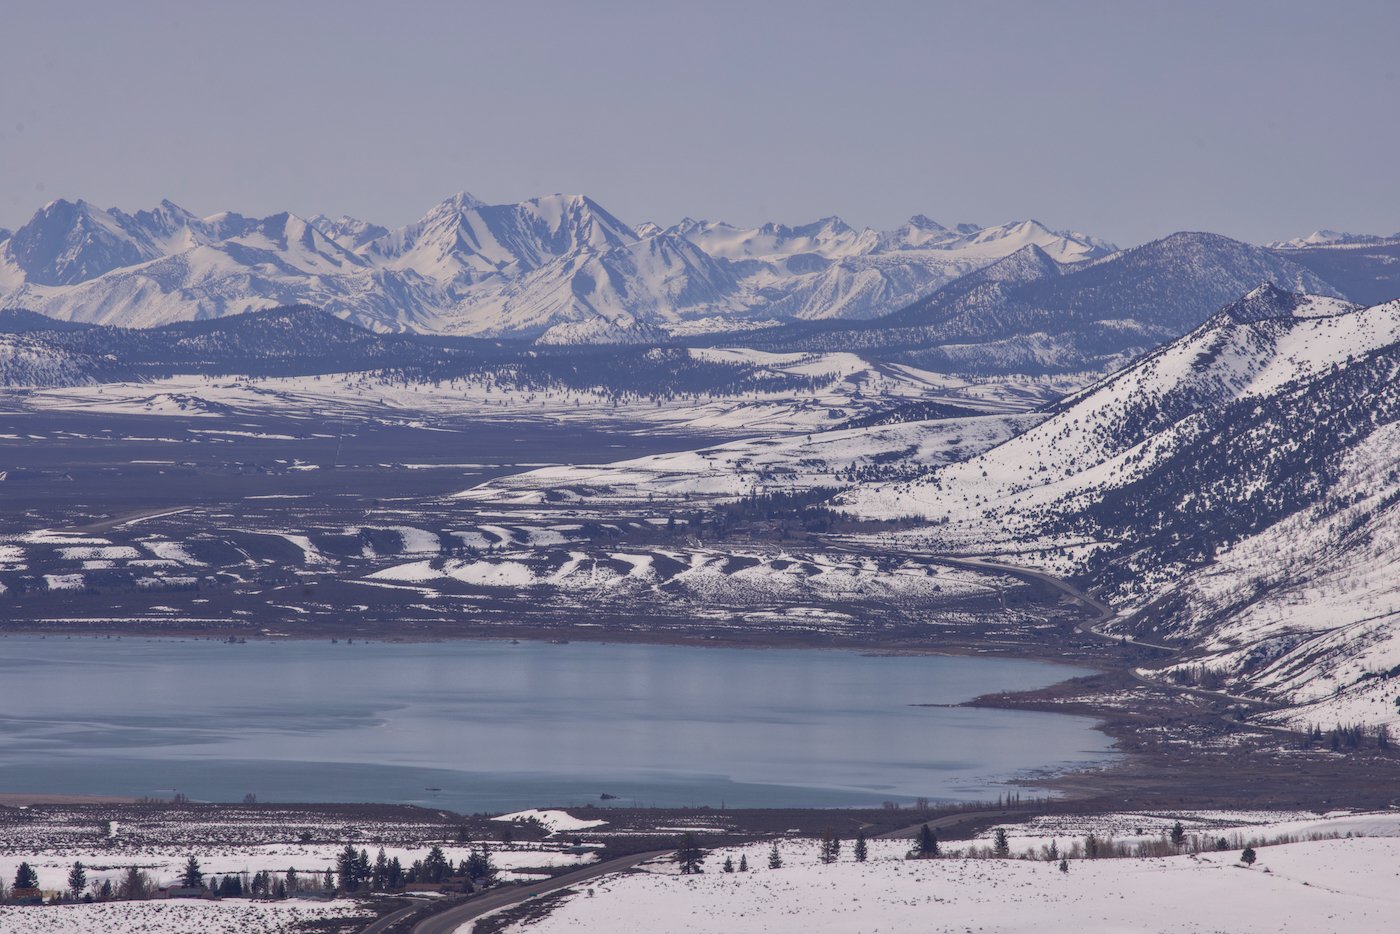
x=1125, y=119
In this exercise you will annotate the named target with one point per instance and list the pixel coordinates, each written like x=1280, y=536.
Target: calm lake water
x=476, y=726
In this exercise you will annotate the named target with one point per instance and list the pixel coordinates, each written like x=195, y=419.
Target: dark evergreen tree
x=193, y=876
x=1001, y=845
x=435, y=865
x=26, y=877
x=1178, y=834
x=928, y=843
x=862, y=850
x=395, y=877
x=775, y=859
x=363, y=869
x=379, y=877
x=345, y=868
x=1064, y=865
x=1248, y=856
x=77, y=880
x=689, y=855
x=729, y=864
x=743, y=862
x=480, y=868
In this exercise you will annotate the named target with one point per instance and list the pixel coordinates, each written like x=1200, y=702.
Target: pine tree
x=1054, y=852
x=293, y=883
x=192, y=877
x=435, y=865
x=928, y=843
x=1064, y=865
x=134, y=886
x=775, y=859
x=1001, y=845
x=743, y=862
x=26, y=877
x=729, y=864
x=328, y=880
x=345, y=868
x=828, y=854
x=380, y=876
x=395, y=877
x=362, y=868
x=1178, y=834
x=479, y=866
x=862, y=848
x=1248, y=856
x=689, y=855
x=77, y=880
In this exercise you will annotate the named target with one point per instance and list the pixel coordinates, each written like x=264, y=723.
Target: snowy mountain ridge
x=1235, y=492
x=558, y=268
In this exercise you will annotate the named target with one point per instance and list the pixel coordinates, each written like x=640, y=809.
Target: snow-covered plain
x=176, y=916
x=830, y=459
x=1331, y=885
x=847, y=387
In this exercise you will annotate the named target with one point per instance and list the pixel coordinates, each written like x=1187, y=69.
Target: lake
x=491, y=726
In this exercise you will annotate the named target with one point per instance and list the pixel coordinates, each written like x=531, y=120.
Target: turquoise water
x=488, y=726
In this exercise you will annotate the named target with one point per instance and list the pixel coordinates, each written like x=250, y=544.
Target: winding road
x=450, y=919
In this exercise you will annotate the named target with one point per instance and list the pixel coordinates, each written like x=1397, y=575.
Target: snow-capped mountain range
x=1028, y=313
x=559, y=269
x=1331, y=238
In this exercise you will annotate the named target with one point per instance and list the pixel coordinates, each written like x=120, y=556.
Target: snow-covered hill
x=27, y=362
x=1236, y=489
x=1031, y=312
x=558, y=268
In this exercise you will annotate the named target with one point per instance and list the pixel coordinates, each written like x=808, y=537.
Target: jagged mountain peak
x=924, y=222
x=349, y=232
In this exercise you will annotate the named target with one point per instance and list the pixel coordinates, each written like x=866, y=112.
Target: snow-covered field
x=848, y=386
x=758, y=465
x=1334, y=885
x=183, y=916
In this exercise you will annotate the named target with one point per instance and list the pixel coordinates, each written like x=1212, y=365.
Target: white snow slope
x=1303, y=608
x=1342, y=885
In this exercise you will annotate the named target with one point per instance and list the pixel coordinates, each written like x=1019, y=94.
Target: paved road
x=952, y=820
x=1103, y=612
x=450, y=919
x=106, y=525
